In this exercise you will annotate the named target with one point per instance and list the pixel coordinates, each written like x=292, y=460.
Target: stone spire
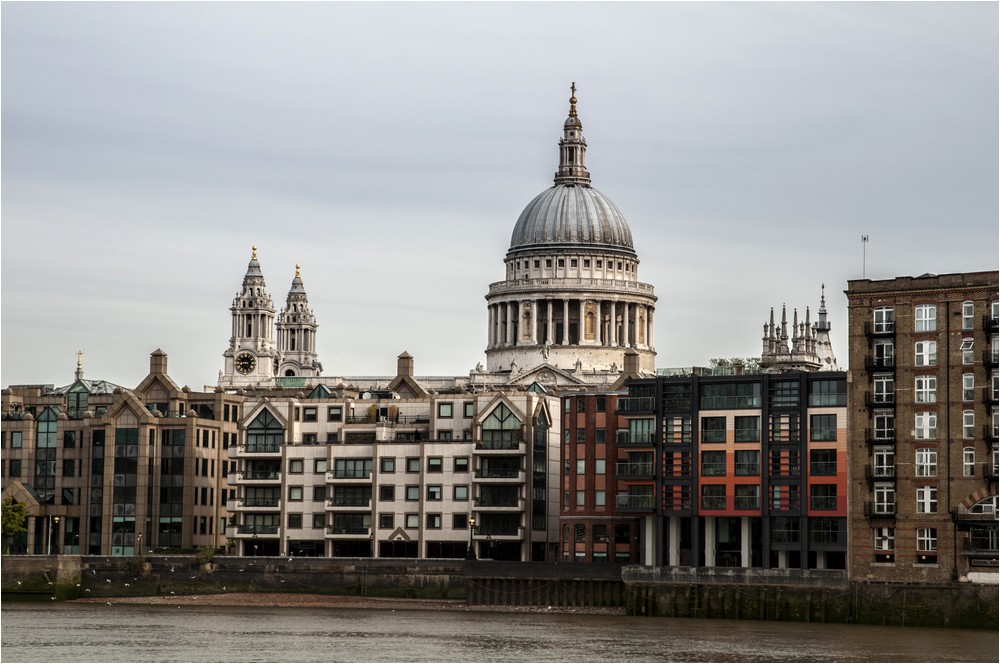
x=297, y=333
x=79, y=365
x=573, y=149
x=810, y=348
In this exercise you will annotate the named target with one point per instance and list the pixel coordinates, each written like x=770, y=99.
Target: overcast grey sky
x=389, y=149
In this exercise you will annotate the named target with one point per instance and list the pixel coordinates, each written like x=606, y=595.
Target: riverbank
x=295, y=600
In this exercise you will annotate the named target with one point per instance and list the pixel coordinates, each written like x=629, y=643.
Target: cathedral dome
x=570, y=214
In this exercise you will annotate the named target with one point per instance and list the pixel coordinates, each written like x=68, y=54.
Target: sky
x=389, y=148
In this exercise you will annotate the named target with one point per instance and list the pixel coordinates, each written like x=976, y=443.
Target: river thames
x=69, y=632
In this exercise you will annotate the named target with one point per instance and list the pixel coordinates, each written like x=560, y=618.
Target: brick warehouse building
x=924, y=427
x=708, y=469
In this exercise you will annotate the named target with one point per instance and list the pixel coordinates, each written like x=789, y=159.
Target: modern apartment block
x=370, y=474
x=924, y=426
x=111, y=471
x=701, y=469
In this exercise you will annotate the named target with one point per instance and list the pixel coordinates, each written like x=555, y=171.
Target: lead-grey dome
x=571, y=214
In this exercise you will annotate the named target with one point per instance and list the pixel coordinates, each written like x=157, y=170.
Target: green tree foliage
x=14, y=522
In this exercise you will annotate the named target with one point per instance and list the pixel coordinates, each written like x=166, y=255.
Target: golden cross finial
x=297, y=268
x=572, y=100
x=254, y=256
x=79, y=359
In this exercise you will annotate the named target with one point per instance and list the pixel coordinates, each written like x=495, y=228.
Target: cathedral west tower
x=571, y=298
x=251, y=358
x=297, y=333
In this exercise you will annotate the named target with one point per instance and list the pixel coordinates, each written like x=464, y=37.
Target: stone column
x=625, y=327
x=709, y=541
x=509, y=340
x=581, y=322
x=613, y=340
x=534, y=322
x=489, y=326
x=744, y=541
x=548, y=330
x=565, y=334
x=649, y=328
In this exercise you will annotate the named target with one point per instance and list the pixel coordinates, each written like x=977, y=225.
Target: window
x=433, y=492
x=885, y=426
x=435, y=464
x=295, y=493
x=828, y=392
x=296, y=465
x=925, y=318
x=600, y=498
x=823, y=463
x=823, y=427
x=968, y=352
x=295, y=521
x=387, y=464
x=386, y=492
x=69, y=439
x=925, y=425
x=581, y=466
x=968, y=312
x=15, y=467
x=713, y=429
x=600, y=435
x=581, y=435
x=968, y=387
x=885, y=389
x=926, y=500
x=885, y=462
x=412, y=465
x=319, y=466
x=885, y=498
x=309, y=414
x=884, y=320
x=461, y=492
x=69, y=468
x=713, y=497
x=885, y=354
x=445, y=409
x=925, y=462
x=335, y=414
x=469, y=408
x=925, y=389
x=413, y=492
x=352, y=468
x=925, y=353
x=412, y=520
x=713, y=463
x=461, y=464
x=319, y=492
x=926, y=539
x=434, y=521
x=600, y=404
x=459, y=521
x=747, y=496
x=319, y=521
x=600, y=466
x=15, y=439
x=968, y=461
x=968, y=424
x=885, y=539
x=823, y=497
x=748, y=462
x=747, y=428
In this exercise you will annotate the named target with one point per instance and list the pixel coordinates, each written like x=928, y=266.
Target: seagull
x=127, y=585
x=52, y=598
x=108, y=580
x=289, y=560
x=18, y=583
x=50, y=583
x=171, y=592
x=78, y=585
x=171, y=569
x=109, y=603
x=87, y=590
x=223, y=587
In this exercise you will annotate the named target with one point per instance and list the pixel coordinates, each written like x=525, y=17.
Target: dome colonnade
x=571, y=297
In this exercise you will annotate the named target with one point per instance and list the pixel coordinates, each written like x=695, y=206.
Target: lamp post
x=138, y=545
x=471, y=553
x=54, y=539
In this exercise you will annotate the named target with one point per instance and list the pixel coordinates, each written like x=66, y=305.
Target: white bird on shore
x=86, y=590
x=127, y=585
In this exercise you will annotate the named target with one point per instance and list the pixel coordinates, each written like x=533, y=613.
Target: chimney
x=158, y=362
x=404, y=365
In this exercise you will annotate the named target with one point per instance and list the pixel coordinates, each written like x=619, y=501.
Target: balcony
x=504, y=503
x=254, y=477
x=880, y=474
x=636, y=405
x=643, y=470
x=255, y=530
x=880, y=400
x=826, y=503
x=349, y=476
x=625, y=438
x=990, y=398
x=989, y=472
x=882, y=329
x=991, y=359
x=501, y=474
x=349, y=532
x=990, y=324
x=879, y=364
x=498, y=532
x=634, y=502
x=880, y=511
x=348, y=504
x=502, y=446
x=252, y=451
x=255, y=504
x=990, y=435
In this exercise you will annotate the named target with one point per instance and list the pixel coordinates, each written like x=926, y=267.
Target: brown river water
x=71, y=632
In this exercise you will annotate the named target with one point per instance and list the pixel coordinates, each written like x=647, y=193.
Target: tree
x=14, y=521
x=739, y=365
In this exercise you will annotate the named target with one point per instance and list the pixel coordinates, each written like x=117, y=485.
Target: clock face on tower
x=245, y=363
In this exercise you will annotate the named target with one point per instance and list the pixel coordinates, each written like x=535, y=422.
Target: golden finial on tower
x=254, y=256
x=79, y=359
x=297, y=268
x=572, y=100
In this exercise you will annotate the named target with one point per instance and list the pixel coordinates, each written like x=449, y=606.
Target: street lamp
x=471, y=553
x=54, y=545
